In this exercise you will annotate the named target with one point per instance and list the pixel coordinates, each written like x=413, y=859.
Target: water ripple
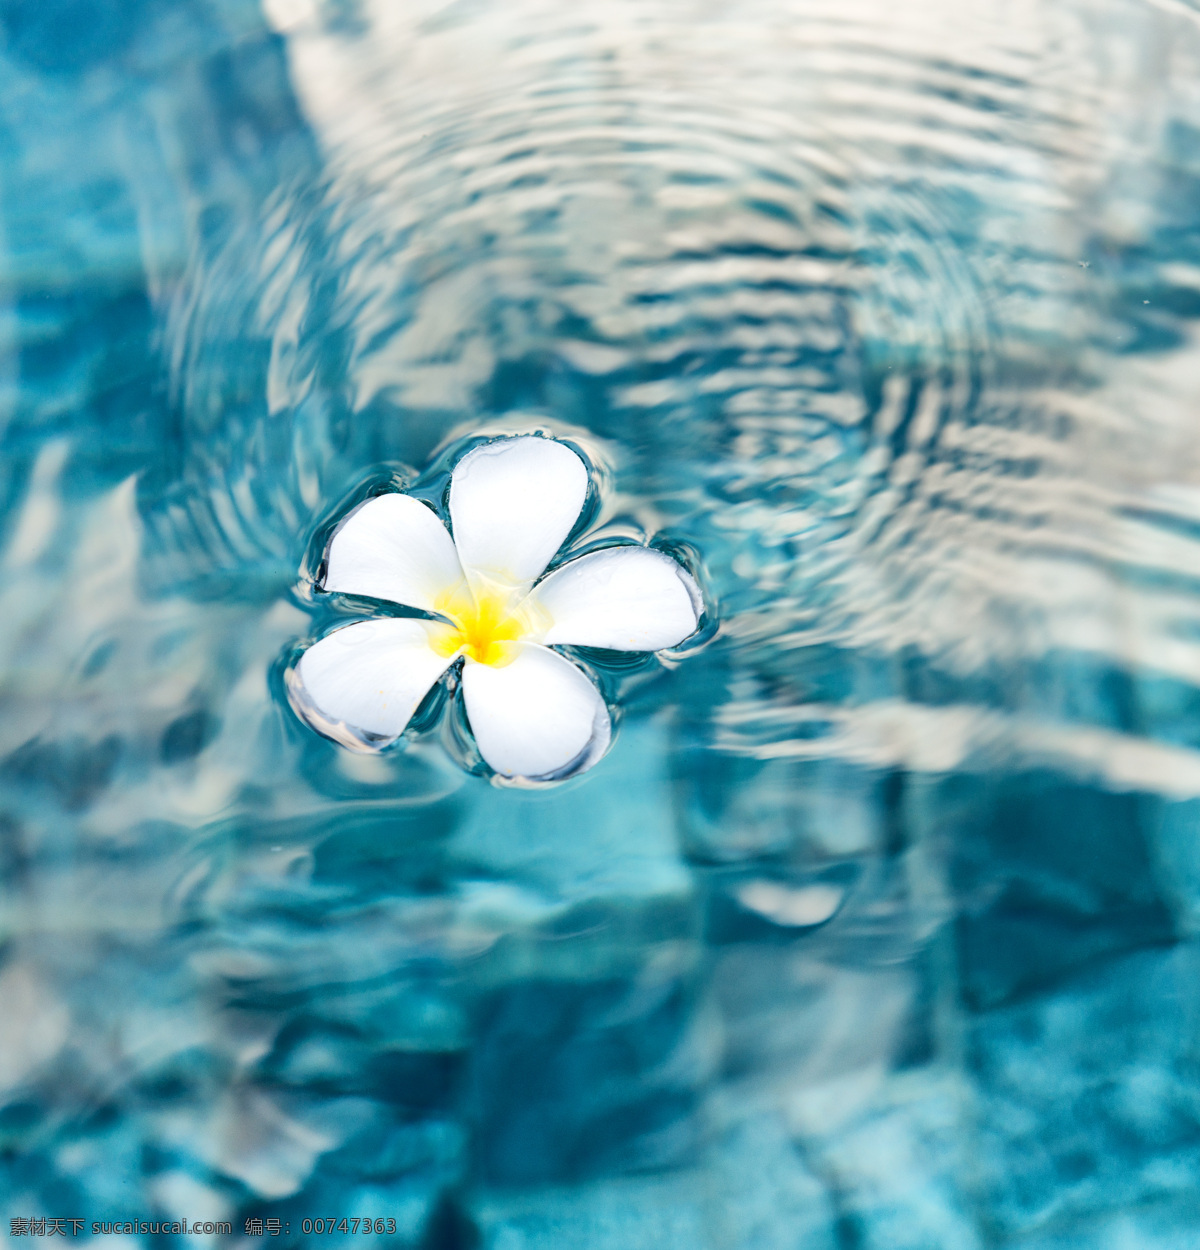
x=822, y=274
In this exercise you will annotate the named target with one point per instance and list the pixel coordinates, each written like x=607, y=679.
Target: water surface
x=877, y=926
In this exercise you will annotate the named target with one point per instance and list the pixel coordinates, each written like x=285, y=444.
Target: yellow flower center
x=485, y=624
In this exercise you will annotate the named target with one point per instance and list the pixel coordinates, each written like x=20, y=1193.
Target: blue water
x=879, y=926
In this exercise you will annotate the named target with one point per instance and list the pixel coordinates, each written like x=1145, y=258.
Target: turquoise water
x=877, y=928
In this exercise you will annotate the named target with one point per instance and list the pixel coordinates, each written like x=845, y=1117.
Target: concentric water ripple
x=826, y=277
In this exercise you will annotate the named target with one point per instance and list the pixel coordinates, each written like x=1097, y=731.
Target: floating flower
x=534, y=713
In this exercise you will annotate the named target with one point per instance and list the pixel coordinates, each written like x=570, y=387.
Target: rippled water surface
x=879, y=926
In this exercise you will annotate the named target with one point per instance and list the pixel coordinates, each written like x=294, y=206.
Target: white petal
x=393, y=547
x=513, y=503
x=369, y=677
x=624, y=598
x=538, y=717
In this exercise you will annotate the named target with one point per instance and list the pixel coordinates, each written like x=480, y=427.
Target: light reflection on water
x=876, y=926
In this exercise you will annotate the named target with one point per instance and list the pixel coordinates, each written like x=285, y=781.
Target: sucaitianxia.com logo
x=47, y=1226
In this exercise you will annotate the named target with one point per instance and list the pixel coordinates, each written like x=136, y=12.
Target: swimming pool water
x=877, y=928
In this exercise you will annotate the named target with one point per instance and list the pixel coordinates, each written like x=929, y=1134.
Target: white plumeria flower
x=534, y=714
